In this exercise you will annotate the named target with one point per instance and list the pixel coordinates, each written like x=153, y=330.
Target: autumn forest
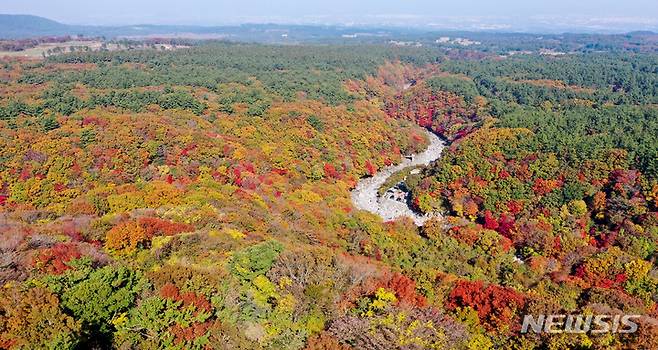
x=199, y=198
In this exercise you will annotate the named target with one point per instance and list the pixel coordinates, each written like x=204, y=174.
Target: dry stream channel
x=395, y=202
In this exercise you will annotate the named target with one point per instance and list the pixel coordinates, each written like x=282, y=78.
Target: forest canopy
x=199, y=198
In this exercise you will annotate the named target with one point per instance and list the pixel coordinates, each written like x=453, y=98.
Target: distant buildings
x=405, y=43
x=456, y=41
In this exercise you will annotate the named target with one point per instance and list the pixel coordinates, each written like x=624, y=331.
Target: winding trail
x=365, y=196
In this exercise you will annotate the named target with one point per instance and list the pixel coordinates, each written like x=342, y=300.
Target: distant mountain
x=26, y=26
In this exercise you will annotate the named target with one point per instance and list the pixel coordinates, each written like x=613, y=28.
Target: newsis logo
x=580, y=324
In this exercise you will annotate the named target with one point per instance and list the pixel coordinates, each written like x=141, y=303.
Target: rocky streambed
x=394, y=204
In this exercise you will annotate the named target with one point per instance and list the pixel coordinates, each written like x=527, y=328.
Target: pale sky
x=217, y=12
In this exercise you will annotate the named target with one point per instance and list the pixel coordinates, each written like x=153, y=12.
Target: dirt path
x=365, y=196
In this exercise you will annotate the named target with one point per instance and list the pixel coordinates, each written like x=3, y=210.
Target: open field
x=49, y=49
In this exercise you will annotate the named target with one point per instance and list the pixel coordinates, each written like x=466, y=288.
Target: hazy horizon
x=588, y=15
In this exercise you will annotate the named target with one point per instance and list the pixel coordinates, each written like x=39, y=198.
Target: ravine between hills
x=395, y=202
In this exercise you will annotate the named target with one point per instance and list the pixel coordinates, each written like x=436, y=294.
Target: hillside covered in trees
x=200, y=198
